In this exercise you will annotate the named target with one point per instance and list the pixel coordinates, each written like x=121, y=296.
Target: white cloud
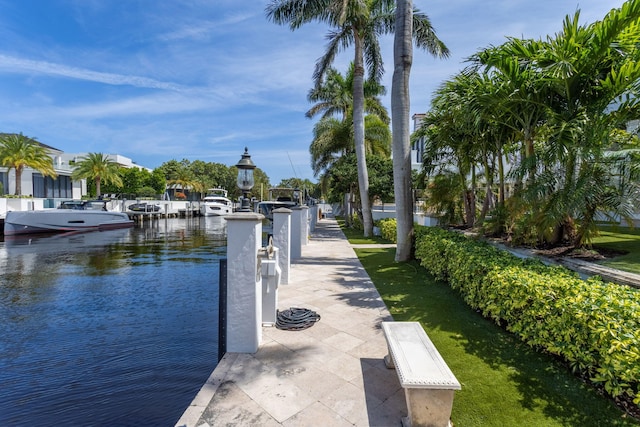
x=20, y=65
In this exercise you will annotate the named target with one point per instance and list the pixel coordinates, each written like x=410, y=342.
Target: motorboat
x=145, y=207
x=267, y=207
x=72, y=215
x=279, y=197
x=216, y=203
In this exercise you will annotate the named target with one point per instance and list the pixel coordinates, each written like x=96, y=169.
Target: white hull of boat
x=209, y=209
x=216, y=203
x=219, y=207
x=63, y=220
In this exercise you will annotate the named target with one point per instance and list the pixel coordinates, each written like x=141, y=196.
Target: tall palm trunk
x=19, y=180
x=470, y=199
x=98, y=182
x=529, y=151
x=501, y=195
x=400, y=111
x=488, y=197
x=358, y=135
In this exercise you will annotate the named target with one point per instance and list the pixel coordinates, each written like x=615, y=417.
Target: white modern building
x=62, y=186
x=417, y=148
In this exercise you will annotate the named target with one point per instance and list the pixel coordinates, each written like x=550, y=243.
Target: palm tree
x=333, y=134
x=590, y=69
x=184, y=179
x=333, y=138
x=400, y=106
x=571, y=90
x=98, y=167
x=559, y=98
x=452, y=134
x=354, y=23
x=409, y=25
x=523, y=94
x=334, y=96
x=19, y=151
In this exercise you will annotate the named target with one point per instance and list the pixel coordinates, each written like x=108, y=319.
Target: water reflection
x=115, y=327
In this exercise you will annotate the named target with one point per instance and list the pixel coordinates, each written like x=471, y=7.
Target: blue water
x=113, y=328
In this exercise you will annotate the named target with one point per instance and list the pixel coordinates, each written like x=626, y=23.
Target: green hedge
x=388, y=229
x=594, y=326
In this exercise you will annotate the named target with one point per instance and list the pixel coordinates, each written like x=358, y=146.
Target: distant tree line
x=189, y=179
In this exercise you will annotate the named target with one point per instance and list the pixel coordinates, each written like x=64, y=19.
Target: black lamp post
x=245, y=179
x=296, y=196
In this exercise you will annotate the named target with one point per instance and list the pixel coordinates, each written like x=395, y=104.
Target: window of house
x=47, y=187
x=4, y=180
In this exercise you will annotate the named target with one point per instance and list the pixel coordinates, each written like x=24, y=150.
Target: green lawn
x=504, y=382
x=621, y=239
x=355, y=236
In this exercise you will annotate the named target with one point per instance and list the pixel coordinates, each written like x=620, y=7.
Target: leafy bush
x=388, y=229
x=147, y=192
x=356, y=222
x=594, y=326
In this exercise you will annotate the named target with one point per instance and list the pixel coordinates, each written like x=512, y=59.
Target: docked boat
x=145, y=207
x=72, y=215
x=216, y=203
x=267, y=207
x=279, y=197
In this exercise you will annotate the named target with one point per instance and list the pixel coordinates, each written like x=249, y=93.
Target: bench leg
x=388, y=362
x=428, y=407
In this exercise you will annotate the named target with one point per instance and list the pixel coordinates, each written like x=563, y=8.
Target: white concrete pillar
x=296, y=232
x=282, y=241
x=305, y=225
x=244, y=282
x=313, y=217
x=270, y=271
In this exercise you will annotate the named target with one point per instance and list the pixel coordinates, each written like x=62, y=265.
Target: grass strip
x=356, y=236
x=621, y=239
x=504, y=382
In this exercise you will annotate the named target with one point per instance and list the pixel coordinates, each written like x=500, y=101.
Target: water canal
x=109, y=328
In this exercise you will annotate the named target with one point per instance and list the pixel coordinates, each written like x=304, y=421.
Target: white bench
x=428, y=382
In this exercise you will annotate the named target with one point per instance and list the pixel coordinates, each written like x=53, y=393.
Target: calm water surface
x=113, y=328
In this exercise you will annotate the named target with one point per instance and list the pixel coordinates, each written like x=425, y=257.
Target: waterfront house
x=62, y=186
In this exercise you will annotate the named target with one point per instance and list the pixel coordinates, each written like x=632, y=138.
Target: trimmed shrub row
x=388, y=229
x=594, y=326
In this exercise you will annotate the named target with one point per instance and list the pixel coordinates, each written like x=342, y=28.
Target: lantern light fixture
x=245, y=179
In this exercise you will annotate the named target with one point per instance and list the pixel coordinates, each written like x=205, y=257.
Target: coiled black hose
x=296, y=319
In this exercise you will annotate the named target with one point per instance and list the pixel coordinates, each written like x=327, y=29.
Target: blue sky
x=201, y=79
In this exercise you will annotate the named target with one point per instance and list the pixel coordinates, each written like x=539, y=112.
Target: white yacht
x=216, y=203
x=69, y=216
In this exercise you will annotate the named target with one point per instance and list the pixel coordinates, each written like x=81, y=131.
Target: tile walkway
x=331, y=374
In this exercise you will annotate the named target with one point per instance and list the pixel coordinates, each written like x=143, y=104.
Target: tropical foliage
x=198, y=176
x=333, y=96
x=410, y=25
x=553, y=109
x=388, y=229
x=359, y=24
x=342, y=178
x=18, y=152
x=592, y=325
x=136, y=182
x=333, y=135
x=99, y=168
